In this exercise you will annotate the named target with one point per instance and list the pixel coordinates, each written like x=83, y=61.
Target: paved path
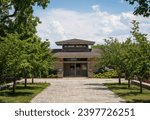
x=76, y=90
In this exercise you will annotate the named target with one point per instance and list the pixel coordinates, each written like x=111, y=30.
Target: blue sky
x=111, y=6
x=87, y=19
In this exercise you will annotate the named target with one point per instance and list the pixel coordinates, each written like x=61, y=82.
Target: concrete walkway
x=76, y=90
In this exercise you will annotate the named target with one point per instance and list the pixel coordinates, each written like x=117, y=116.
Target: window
x=72, y=46
x=75, y=59
x=69, y=46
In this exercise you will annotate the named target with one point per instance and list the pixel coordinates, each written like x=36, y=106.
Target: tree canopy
x=142, y=7
x=131, y=57
x=23, y=53
x=17, y=16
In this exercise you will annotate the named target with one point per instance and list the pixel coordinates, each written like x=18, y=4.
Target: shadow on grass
x=123, y=86
x=22, y=94
x=11, y=94
x=1, y=101
x=97, y=88
x=116, y=86
x=93, y=84
x=131, y=93
x=29, y=87
x=20, y=91
x=139, y=101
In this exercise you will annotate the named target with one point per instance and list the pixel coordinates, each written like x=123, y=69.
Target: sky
x=92, y=20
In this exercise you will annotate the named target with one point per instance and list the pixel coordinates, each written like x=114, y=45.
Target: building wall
x=91, y=67
x=58, y=65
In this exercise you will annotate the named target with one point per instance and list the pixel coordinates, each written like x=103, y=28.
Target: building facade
x=75, y=59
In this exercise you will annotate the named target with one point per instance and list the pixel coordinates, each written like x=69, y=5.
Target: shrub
x=52, y=71
x=52, y=76
x=108, y=74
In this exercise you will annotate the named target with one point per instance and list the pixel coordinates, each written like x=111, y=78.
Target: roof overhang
x=76, y=55
x=75, y=42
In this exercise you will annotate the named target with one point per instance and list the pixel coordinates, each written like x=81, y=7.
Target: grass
x=131, y=95
x=22, y=95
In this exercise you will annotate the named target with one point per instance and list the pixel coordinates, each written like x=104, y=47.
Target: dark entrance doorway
x=75, y=69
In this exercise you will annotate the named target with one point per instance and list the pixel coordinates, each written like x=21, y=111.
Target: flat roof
x=75, y=42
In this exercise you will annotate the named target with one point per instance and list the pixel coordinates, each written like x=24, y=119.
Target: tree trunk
x=14, y=85
x=25, y=85
x=129, y=83
x=141, y=88
x=126, y=76
x=32, y=79
x=119, y=79
x=40, y=74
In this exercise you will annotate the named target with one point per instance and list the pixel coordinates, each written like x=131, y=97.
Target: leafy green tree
x=142, y=58
x=131, y=57
x=17, y=16
x=22, y=58
x=112, y=56
x=40, y=56
x=46, y=57
x=142, y=7
x=129, y=52
x=18, y=30
x=11, y=57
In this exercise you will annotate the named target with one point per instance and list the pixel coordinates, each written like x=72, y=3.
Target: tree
x=129, y=53
x=142, y=58
x=40, y=56
x=18, y=31
x=112, y=56
x=22, y=58
x=142, y=7
x=11, y=57
x=17, y=16
x=131, y=57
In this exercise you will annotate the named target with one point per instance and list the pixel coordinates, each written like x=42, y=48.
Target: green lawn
x=22, y=95
x=130, y=95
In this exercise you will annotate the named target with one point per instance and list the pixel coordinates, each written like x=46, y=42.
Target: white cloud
x=57, y=28
x=60, y=24
x=96, y=7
